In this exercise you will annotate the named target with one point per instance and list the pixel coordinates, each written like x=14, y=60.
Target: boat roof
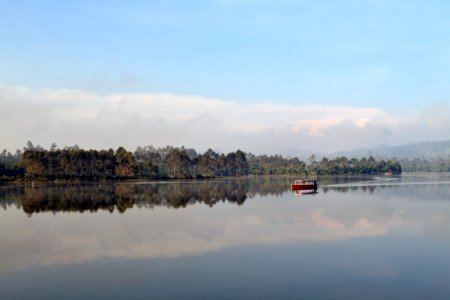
x=300, y=181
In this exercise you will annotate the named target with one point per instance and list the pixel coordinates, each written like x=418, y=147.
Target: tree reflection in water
x=113, y=196
x=120, y=196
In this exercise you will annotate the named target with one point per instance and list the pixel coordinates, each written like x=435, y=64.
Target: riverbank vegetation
x=69, y=163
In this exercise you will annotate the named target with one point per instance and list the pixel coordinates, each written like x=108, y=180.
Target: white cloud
x=92, y=120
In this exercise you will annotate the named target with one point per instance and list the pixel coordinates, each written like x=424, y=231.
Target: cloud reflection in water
x=139, y=220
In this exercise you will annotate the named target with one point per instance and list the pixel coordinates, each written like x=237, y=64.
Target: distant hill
x=428, y=149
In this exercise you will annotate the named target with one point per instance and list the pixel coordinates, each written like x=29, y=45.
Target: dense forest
x=170, y=162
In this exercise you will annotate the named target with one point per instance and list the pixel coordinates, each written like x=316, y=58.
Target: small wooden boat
x=300, y=185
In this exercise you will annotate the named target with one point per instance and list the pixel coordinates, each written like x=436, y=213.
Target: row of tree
x=171, y=162
x=436, y=165
x=94, y=164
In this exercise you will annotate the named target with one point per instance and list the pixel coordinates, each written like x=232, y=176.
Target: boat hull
x=302, y=187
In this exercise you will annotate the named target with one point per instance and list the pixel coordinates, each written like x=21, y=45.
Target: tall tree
x=241, y=163
x=125, y=163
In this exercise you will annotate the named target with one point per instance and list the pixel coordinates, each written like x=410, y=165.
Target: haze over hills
x=426, y=149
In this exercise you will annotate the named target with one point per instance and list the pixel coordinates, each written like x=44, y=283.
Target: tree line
x=435, y=165
x=171, y=162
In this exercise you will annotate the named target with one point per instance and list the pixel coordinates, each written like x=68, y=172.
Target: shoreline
x=19, y=181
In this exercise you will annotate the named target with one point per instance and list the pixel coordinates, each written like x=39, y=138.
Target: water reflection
x=425, y=188
x=148, y=229
x=122, y=196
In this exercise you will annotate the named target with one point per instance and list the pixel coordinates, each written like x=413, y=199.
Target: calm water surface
x=357, y=238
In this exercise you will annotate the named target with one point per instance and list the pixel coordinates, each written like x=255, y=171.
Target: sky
x=261, y=76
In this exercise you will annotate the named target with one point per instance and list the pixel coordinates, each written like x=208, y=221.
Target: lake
x=357, y=238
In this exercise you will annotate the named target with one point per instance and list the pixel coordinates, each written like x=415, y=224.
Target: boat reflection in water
x=304, y=187
x=305, y=192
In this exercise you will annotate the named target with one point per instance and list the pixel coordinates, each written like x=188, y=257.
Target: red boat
x=301, y=185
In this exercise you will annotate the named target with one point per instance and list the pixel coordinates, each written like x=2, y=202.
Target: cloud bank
x=93, y=120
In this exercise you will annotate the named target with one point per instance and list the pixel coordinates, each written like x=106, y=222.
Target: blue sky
x=387, y=55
